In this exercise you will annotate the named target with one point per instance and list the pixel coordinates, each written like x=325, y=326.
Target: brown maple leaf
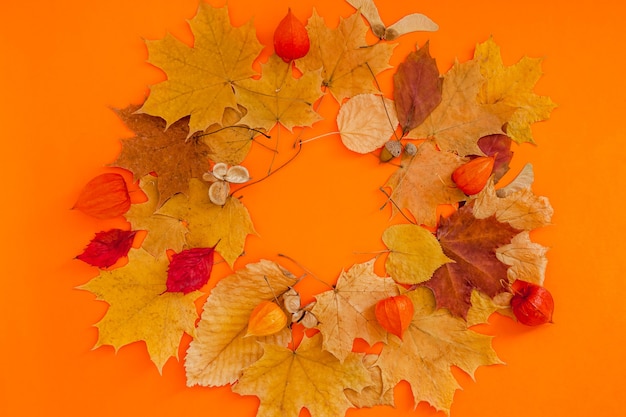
x=348, y=66
x=424, y=181
x=168, y=153
x=472, y=244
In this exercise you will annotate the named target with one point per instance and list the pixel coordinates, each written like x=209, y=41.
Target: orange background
x=63, y=63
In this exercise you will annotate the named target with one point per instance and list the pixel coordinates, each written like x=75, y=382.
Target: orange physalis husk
x=104, y=197
x=291, y=39
x=267, y=318
x=394, y=314
x=472, y=176
x=532, y=304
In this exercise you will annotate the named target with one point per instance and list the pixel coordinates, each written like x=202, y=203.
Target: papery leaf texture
x=107, y=247
x=164, y=232
x=104, y=196
x=418, y=358
x=223, y=227
x=415, y=254
x=278, y=97
x=200, y=78
x=374, y=394
x=190, y=270
x=527, y=259
x=366, y=122
x=347, y=311
x=472, y=244
x=513, y=86
x=230, y=141
x=423, y=182
x=309, y=377
x=221, y=349
x=417, y=88
x=168, y=153
x=347, y=64
x=140, y=309
x=460, y=121
x=498, y=146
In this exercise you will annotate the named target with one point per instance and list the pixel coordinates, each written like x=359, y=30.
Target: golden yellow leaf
x=372, y=395
x=226, y=226
x=483, y=306
x=200, y=78
x=424, y=181
x=459, y=120
x=366, y=122
x=141, y=309
x=164, y=232
x=230, y=141
x=420, y=360
x=220, y=349
x=527, y=259
x=348, y=64
x=415, y=254
x=521, y=209
x=287, y=381
x=347, y=311
x=513, y=86
x=278, y=97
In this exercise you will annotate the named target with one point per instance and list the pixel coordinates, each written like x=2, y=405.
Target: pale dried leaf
x=527, y=259
x=366, y=122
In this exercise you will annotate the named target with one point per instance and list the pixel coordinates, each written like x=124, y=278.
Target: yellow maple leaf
x=415, y=254
x=484, y=306
x=200, y=78
x=459, y=120
x=286, y=381
x=348, y=64
x=141, y=309
x=164, y=232
x=513, y=86
x=418, y=358
x=209, y=224
x=424, y=181
x=221, y=349
x=374, y=394
x=278, y=97
x=347, y=311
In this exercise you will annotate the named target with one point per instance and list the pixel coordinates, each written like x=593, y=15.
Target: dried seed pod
x=266, y=319
x=532, y=304
x=472, y=176
x=220, y=170
x=218, y=192
x=394, y=314
x=237, y=174
x=291, y=301
x=392, y=149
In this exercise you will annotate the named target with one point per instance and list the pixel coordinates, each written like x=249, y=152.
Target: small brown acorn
x=392, y=149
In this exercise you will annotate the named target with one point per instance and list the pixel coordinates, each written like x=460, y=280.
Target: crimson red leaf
x=105, y=196
x=417, y=88
x=472, y=244
x=500, y=146
x=107, y=247
x=291, y=39
x=190, y=269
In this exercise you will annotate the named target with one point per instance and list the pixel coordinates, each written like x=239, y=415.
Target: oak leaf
x=168, y=153
x=410, y=23
x=164, y=232
x=278, y=97
x=348, y=64
x=460, y=121
x=522, y=209
x=417, y=88
x=513, y=86
x=472, y=244
x=223, y=227
x=200, y=79
x=220, y=349
x=527, y=259
x=347, y=311
x=423, y=182
x=287, y=381
x=415, y=254
x=366, y=122
x=418, y=358
x=141, y=309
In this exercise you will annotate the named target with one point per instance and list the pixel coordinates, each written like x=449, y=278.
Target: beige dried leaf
x=527, y=259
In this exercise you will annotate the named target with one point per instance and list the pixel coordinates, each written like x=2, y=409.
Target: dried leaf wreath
x=450, y=135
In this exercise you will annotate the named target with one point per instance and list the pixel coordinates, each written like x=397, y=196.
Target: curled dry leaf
x=366, y=122
x=104, y=197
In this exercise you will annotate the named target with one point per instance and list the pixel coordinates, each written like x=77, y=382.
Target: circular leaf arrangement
x=449, y=135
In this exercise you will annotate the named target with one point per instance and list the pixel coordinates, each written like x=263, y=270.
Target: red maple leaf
x=472, y=244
